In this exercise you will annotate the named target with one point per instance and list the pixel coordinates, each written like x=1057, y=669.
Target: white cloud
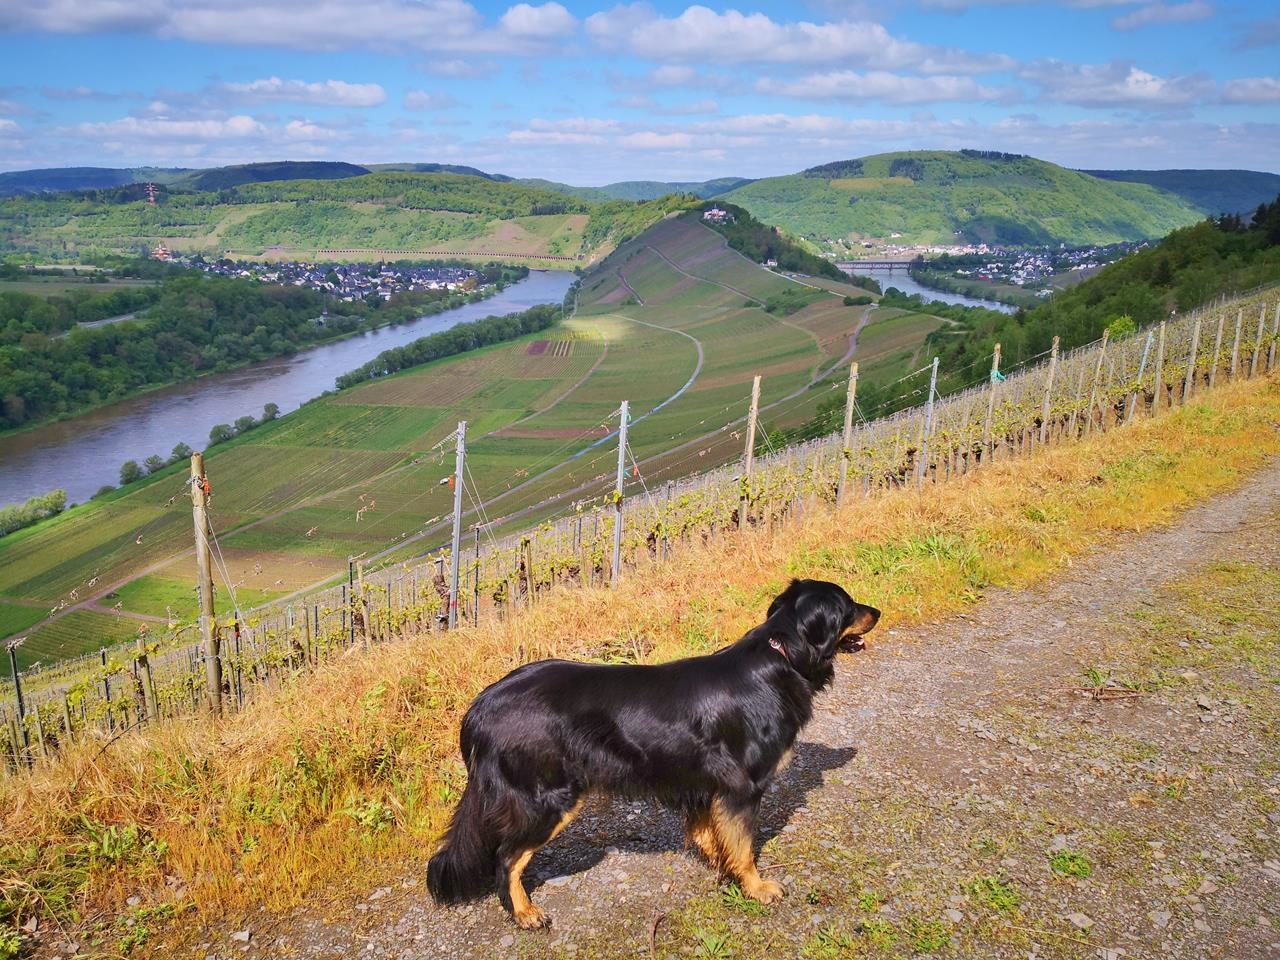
x=553, y=137
x=8, y=126
x=306, y=130
x=434, y=25
x=885, y=87
x=649, y=140
x=703, y=35
x=469, y=69
x=692, y=109
x=325, y=93
x=161, y=128
x=546, y=22
x=426, y=100
x=1160, y=13
x=670, y=75
x=1252, y=90
x=1116, y=84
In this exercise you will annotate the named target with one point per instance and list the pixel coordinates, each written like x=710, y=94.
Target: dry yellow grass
x=322, y=783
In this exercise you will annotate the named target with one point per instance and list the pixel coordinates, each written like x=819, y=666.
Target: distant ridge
x=641, y=189
x=1212, y=192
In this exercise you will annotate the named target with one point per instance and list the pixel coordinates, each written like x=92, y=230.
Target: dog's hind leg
x=700, y=832
x=513, y=862
x=734, y=824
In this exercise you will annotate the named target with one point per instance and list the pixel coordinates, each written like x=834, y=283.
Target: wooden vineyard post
x=364, y=603
x=1217, y=351
x=846, y=451
x=1075, y=407
x=1257, y=346
x=749, y=453
x=927, y=428
x=455, y=541
x=1235, y=345
x=1097, y=375
x=1158, y=401
x=25, y=744
x=1142, y=372
x=1048, y=392
x=148, y=684
x=1191, y=362
x=615, y=570
x=475, y=579
x=204, y=570
x=987, y=449
x=1275, y=336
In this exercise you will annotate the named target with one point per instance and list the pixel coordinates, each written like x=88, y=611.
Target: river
x=84, y=453
x=900, y=278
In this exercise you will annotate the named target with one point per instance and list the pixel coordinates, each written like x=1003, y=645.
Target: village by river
x=85, y=453
x=900, y=278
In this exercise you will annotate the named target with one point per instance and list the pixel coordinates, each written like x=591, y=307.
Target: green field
x=360, y=472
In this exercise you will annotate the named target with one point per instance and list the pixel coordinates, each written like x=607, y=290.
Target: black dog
x=703, y=735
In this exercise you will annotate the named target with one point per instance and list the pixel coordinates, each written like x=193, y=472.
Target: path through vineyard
x=952, y=789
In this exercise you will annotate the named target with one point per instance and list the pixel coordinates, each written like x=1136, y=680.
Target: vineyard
x=1060, y=398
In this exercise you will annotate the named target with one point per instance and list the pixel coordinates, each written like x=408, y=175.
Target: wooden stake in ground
x=1217, y=350
x=850, y=400
x=1157, y=402
x=1191, y=362
x=1257, y=346
x=991, y=402
x=455, y=542
x=1097, y=375
x=1235, y=346
x=1275, y=336
x=1048, y=392
x=616, y=569
x=749, y=453
x=204, y=572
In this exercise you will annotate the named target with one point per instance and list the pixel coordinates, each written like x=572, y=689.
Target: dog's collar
x=777, y=645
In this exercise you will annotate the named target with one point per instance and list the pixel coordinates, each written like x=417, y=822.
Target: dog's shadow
x=634, y=827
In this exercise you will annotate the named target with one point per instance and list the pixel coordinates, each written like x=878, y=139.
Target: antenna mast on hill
x=151, y=194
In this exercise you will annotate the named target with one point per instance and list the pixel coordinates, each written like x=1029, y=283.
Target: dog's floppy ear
x=864, y=618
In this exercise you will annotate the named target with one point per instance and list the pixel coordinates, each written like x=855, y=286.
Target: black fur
x=686, y=733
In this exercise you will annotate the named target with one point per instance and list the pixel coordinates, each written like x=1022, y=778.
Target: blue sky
x=592, y=93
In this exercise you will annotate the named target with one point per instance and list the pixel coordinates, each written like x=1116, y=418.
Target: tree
x=221, y=433
x=129, y=472
x=102, y=490
x=180, y=452
x=245, y=424
x=154, y=463
x=269, y=412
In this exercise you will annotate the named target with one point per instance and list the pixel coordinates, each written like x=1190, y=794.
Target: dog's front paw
x=532, y=918
x=766, y=891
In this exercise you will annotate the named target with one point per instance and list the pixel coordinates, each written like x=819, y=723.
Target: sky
x=591, y=93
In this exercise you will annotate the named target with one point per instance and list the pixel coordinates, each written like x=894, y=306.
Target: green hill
x=220, y=178
x=1212, y=192
x=62, y=179
x=355, y=217
x=641, y=189
x=970, y=196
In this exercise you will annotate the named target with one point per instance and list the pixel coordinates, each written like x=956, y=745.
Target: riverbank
x=83, y=453
x=452, y=303
x=976, y=289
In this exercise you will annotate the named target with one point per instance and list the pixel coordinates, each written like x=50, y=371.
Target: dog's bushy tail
x=466, y=864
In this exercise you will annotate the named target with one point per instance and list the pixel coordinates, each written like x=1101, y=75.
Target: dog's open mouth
x=852, y=643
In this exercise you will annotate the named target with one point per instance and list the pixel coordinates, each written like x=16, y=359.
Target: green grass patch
x=15, y=617
x=1068, y=863
x=160, y=596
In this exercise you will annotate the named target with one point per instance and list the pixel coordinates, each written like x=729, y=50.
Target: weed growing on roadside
x=1070, y=864
x=994, y=893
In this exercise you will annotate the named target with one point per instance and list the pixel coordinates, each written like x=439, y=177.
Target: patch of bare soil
x=1084, y=770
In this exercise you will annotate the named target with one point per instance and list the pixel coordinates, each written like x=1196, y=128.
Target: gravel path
x=936, y=782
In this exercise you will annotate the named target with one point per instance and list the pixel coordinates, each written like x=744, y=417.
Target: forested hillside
x=971, y=196
x=1212, y=192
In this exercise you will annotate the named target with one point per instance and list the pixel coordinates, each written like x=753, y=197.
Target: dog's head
x=814, y=619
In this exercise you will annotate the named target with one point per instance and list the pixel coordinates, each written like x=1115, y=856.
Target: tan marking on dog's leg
x=527, y=915
x=734, y=837
x=702, y=834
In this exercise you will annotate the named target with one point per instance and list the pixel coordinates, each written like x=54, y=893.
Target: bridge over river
x=856, y=266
